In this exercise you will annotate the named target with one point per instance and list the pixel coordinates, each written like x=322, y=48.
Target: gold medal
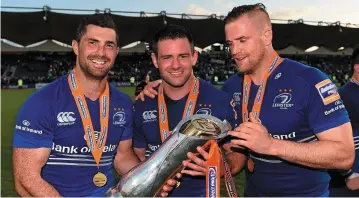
x=100, y=179
x=250, y=165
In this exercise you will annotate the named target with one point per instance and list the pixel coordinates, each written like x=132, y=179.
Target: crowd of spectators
x=214, y=66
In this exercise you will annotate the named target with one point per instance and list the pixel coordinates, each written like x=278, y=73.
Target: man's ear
x=75, y=47
x=194, y=57
x=154, y=59
x=268, y=36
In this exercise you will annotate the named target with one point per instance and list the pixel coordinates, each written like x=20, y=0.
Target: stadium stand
x=44, y=68
x=47, y=61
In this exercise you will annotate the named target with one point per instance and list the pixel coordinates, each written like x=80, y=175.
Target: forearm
x=236, y=161
x=20, y=190
x=319, y=154
x=125, y=161
x=36, y=187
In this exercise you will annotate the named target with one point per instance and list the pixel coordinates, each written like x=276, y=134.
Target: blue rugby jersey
x=350, y=96
x=146, y=131
x=50, y=119
x=293, y=109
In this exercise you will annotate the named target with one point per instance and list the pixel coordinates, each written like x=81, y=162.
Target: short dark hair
x=239, y=11
x=355, y=55
x=102, y=20
x=171, y=32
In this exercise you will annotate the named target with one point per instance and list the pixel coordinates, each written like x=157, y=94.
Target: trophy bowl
x=147, y=178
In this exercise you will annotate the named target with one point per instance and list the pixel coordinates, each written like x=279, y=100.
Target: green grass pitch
x=11, y=101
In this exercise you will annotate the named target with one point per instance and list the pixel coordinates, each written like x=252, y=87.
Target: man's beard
x=254, y=64
x=177, y=86
x=95, y=74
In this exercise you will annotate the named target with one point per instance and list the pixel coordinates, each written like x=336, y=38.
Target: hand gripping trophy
x=147, y=178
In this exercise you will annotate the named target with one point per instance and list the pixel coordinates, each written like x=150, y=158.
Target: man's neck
x=261, y=70
x=176, y=93
x=91, y=88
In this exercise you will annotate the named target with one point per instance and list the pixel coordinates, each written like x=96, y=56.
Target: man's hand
x=253, y=136
x=196, y=164
x=353, y=184
x=168, y=187
x=148, y=90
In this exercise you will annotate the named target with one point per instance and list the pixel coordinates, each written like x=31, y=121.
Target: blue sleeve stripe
x=335, y=122
x=21, y=141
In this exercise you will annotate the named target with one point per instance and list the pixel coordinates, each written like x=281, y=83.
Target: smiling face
x=246, y=43
x=174, y=60
x=96, y=52
x=356, y=69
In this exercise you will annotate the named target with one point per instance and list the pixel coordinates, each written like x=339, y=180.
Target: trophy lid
x=203, y=126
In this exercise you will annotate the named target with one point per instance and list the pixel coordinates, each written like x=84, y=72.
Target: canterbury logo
x=65, y=117
x=149, y=115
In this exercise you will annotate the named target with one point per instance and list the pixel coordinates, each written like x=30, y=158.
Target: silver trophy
x=148, y=177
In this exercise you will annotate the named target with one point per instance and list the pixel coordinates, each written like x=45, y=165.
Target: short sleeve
x=139, y=140
x=33, y=128
x=325, y=108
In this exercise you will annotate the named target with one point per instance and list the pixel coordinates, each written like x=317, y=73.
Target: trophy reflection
x=147, y=178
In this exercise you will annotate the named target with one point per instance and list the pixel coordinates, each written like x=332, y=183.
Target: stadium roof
x=49, y=46
x=290, y=50
x=139, y=48
x=9, y=48
x=322, y=51
x=347, y=51
x=27, y=28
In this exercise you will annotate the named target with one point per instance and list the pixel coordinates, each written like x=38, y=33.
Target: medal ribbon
x=96, y=147
x=260, y=93
x=188, y=110
x=354, y=80
x=258, y=100
x=213, y=173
